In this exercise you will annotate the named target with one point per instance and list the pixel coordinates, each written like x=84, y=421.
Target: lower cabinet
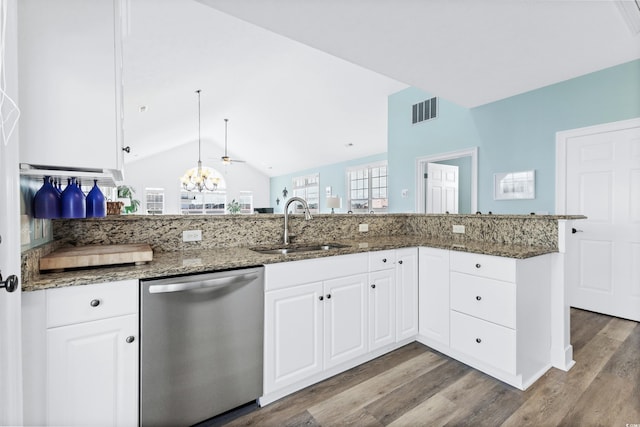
x=407, y=293
x=347, y=314
x=92, y=373
x=82, y=367
x=492, y=313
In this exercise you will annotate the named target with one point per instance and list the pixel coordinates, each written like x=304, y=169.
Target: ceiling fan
x=226, y=159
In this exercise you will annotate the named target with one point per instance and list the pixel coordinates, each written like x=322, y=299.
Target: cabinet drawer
x=485, y=341
x=382, y=260
x=75, y=304
x=487, y=299
x=493, y=267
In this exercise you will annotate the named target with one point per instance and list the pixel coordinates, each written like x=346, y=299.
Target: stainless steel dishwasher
x=201, y=345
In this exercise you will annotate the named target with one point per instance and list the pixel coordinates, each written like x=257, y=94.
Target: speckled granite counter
x=173, y=263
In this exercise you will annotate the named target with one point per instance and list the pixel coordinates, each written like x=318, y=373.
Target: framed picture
x=514, y=185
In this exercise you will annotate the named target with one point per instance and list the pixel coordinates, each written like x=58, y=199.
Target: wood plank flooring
x=416, y=386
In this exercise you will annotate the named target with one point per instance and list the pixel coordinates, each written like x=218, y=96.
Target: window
x=367, y=188
x=246, y=202
x=154, y=198
x=307, y=187
x=210, y=203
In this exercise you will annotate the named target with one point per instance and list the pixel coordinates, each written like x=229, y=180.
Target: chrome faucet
x=307, y=215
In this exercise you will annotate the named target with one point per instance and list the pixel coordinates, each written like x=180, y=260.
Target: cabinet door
x=92, y=373
x=345, y=321
x=293, y=335
x=407, y=293
x=382, y=308
x=70, y=63
x=434, y=294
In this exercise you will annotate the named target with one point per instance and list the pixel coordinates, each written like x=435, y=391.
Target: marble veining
x=226, y=240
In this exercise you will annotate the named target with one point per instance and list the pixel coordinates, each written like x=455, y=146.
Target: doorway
x=598, y=175
x=467, y=198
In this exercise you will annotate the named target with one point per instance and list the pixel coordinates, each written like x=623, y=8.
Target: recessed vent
x=425, y=110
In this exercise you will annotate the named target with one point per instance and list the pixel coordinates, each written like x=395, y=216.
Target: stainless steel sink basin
x=297, y=249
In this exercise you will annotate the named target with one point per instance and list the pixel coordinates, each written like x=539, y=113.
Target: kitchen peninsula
x=524, y=255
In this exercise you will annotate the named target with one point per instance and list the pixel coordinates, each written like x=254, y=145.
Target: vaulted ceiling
x=305, y=82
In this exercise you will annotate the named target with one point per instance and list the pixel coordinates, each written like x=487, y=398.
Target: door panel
x=603, y=183
x=442, y=188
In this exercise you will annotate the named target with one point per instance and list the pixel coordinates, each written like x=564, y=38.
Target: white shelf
x=105, y=178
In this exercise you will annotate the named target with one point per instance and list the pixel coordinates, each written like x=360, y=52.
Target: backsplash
x=164, y=233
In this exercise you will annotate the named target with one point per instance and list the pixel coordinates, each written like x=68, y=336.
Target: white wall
x=165, y=169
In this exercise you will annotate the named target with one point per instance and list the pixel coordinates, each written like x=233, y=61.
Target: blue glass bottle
x=73, y=201
x=46, y=202
x=96, y=203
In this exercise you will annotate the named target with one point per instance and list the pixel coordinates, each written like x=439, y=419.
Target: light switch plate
x=458, y=229
x=363, y=227
x=191, y=235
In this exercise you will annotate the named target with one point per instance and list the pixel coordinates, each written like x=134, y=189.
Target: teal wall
x=513, y=134
x=333, y=176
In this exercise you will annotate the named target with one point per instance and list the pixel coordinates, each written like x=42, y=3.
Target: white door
x=442, y=188
x=92, y=373
x=345, y=319
x=603, y=183
x=382, y=308
x=10, y=324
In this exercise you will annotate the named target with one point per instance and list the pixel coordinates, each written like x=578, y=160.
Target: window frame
x=370, y=189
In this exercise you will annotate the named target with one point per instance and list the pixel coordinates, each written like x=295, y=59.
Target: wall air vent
x=630, y=11
x=425, y=110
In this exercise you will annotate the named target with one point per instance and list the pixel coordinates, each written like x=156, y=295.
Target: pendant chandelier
x=200, y=178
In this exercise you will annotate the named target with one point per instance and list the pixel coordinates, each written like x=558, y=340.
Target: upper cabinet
x=70, y=97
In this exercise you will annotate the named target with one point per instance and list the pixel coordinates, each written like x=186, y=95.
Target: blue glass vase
x=73, y=201
x=46, y=202
x=96, y=203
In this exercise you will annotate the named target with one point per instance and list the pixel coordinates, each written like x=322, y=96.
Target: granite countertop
x=175, y=263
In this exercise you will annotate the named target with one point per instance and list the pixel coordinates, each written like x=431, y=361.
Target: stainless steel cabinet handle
x=130, y=339
x=95, y=302
x=212, y=283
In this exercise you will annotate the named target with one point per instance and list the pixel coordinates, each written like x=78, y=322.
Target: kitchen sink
x=296, y=249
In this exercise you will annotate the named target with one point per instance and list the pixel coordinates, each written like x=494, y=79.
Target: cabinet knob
x=328, y=296
x=478, y=297
x=478, y=340
x=478, y=266
x=384, y=260
x=373, y=286
x=126, y=149
x=321, y=297
x=130, y=339
x=400, y=262
x=95, y=302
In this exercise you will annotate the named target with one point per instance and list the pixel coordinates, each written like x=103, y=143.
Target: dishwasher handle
x=210, y=283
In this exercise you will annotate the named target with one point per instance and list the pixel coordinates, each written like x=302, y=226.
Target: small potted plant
x=125, y=194
x=234, y=207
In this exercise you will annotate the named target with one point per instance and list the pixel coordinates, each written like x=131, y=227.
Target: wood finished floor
x=416, y=386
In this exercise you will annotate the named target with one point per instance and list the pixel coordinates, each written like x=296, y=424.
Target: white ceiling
x=293, y=107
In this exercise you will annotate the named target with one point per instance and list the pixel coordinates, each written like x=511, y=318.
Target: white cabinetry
x=89, y=355
x=382, y=299
x=326, y=315
x=434, y=297
x=70, y=83
x=406, y=293
x=492, y=313
x=315, y=318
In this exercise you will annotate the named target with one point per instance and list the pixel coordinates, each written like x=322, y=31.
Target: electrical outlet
x=363, y=228
x=191, y=235
x=458, y=229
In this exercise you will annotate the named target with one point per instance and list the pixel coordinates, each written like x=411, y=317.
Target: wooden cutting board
x=96, y=255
